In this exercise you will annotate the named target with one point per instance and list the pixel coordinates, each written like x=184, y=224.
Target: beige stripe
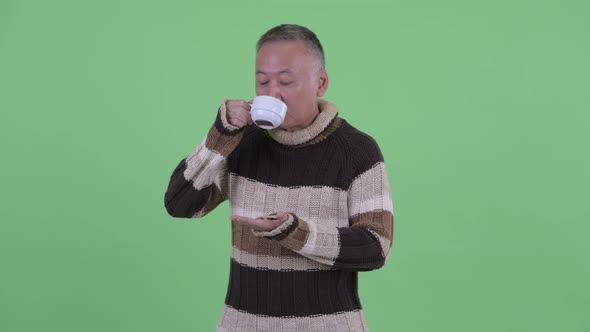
x=322, y=243
x=370, y=191
x=280, y=263
x=253, y=199
x=205, y=167
x=233, y=320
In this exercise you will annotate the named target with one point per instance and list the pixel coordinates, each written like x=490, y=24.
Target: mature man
x=310, y=200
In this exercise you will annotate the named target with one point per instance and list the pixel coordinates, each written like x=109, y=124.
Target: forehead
x=278, y=56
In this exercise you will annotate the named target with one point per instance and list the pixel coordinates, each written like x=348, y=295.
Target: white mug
x=267, y=112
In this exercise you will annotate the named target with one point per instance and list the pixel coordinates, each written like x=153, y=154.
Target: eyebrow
x=284, y=71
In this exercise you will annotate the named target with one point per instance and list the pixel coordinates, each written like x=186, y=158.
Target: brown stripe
x=220, y=143
x=379, y=221
x=245, y=240
x=296, y=240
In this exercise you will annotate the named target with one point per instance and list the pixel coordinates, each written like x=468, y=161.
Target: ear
x=323, y=82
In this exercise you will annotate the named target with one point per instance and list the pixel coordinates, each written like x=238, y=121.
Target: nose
x=275, y=91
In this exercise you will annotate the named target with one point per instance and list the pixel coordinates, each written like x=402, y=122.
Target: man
x=310, y=200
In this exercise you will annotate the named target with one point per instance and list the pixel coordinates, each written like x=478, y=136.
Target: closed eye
x=263, y=83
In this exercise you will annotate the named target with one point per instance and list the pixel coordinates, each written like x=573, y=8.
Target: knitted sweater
x=331, y=180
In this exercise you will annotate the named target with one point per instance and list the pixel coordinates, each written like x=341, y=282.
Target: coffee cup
x=267, y=112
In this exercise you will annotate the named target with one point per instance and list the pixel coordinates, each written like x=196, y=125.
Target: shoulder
x=364, y=148
x=361, y=151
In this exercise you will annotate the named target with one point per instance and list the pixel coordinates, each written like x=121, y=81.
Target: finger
x=242, y=222
x=230, y=104
x=237, y=122
x=232, y=121
x=282, y=216
x=257, y=224
x=246, y=118
x=242, y=117
x=239, y=218
x=261, y=224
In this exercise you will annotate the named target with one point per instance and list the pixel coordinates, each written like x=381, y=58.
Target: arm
x=199, y=182
x=363, y=246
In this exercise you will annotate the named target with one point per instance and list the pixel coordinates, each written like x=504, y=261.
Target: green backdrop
x=480, y=108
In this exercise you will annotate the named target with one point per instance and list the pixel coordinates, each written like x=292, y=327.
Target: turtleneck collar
x=328, y=111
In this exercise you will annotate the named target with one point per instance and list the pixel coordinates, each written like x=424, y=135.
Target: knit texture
x=331, y=180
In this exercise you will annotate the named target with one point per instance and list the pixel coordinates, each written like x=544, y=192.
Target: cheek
x=292, y=96
x=290, y=106
x=292, y=115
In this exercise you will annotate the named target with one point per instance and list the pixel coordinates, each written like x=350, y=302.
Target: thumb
x=282, y=216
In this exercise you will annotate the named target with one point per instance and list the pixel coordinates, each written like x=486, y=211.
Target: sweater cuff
x=223, y=117
x=280, y=232
x=223, y=137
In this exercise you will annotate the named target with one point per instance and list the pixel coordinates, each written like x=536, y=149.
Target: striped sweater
x=331, y=180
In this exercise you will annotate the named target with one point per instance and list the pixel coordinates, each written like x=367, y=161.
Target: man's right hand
x=238, y=112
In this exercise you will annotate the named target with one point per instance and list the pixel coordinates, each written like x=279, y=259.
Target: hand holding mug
x=238, y=112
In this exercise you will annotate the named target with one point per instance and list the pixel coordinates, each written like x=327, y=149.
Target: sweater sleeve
x=198, y=184
x=364, y=245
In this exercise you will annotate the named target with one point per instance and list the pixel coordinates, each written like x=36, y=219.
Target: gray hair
x=293, y=32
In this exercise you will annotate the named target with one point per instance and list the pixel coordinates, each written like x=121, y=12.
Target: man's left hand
x=262, y=224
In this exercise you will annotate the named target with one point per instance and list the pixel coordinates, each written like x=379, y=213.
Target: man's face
x=286, y=71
